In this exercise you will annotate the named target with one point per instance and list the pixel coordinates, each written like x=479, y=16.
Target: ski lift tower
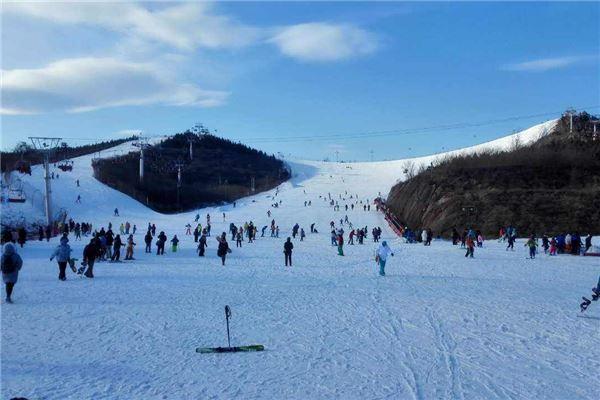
x=142, y=144
x=46, y=145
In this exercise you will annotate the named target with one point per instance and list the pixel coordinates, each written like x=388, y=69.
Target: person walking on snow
x=223, y=248
x=532, y=246
x=383, y=252
x=63, y=255
x=288, y=246
x=148, y=241
x=11, y=265
x=202, y=245
x=340, y=244
x=470, y=243
x=117, y=243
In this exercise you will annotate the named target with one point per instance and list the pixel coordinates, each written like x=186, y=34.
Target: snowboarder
x=11, y=265
x=287, y=251
x=381, y=256
x=63, y=255
x=586, y=302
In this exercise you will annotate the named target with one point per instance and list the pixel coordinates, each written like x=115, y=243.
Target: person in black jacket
x=148, y=241
x=11, y=264
x=202, y=245
x=117, y=243
x=223, y=248
x=90, y=253
x=160, y=243
x=287, y=251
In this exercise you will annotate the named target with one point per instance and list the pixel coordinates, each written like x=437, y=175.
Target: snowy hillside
x=438, y=326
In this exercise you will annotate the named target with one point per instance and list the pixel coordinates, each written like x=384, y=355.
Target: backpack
x=8, y=265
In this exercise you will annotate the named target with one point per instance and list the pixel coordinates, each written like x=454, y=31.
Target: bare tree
x=409, y=168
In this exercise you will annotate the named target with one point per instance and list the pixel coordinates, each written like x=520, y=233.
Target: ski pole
x=227, y=316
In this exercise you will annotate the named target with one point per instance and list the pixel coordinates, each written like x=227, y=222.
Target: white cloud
x=84, y=84
x=321, y=42
x=544, y=64
x=185, y=26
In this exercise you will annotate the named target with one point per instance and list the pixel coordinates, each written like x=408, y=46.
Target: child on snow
x=532, y=247
x=174, y=243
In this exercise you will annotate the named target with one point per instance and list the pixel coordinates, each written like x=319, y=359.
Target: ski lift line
x=406, y=131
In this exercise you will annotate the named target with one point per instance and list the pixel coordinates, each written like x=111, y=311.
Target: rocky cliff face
x=548, y=187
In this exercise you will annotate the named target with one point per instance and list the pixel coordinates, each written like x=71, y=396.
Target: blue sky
x=306, y=79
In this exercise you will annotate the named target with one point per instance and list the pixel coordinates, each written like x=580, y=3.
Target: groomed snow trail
x=438, y=326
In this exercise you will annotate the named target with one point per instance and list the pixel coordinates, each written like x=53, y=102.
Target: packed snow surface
x=437, y=326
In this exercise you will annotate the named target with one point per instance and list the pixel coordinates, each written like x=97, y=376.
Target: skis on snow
x=229, y=349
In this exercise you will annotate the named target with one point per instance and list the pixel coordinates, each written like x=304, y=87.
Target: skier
x=196, y=234
x=63, y=255
x=202, y=245
x=545, y=243
x=532, y=246
x=117, y=243
x=130, y=246
x=351, y=237
x=588, y=242
x=553, y=247
x=188, y=229
x=78, y=199
x=197, y=218
x=116, y=212
x=262, y=231
x=134, y=228
x=511, y=243
x=381, y=256
x=287, y=251
x=77, y=182
x=470, y=244
x=302, y=234
x=11, y=265
x=223, y=248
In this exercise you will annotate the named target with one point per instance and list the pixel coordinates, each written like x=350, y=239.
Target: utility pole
x=595, y=135
x=190, y=141
x=179, y=165
x=46, y=145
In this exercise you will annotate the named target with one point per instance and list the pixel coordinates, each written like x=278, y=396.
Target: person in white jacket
x=382, y=254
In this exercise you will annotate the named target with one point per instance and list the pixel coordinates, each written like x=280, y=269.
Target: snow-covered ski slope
x=438, y=326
